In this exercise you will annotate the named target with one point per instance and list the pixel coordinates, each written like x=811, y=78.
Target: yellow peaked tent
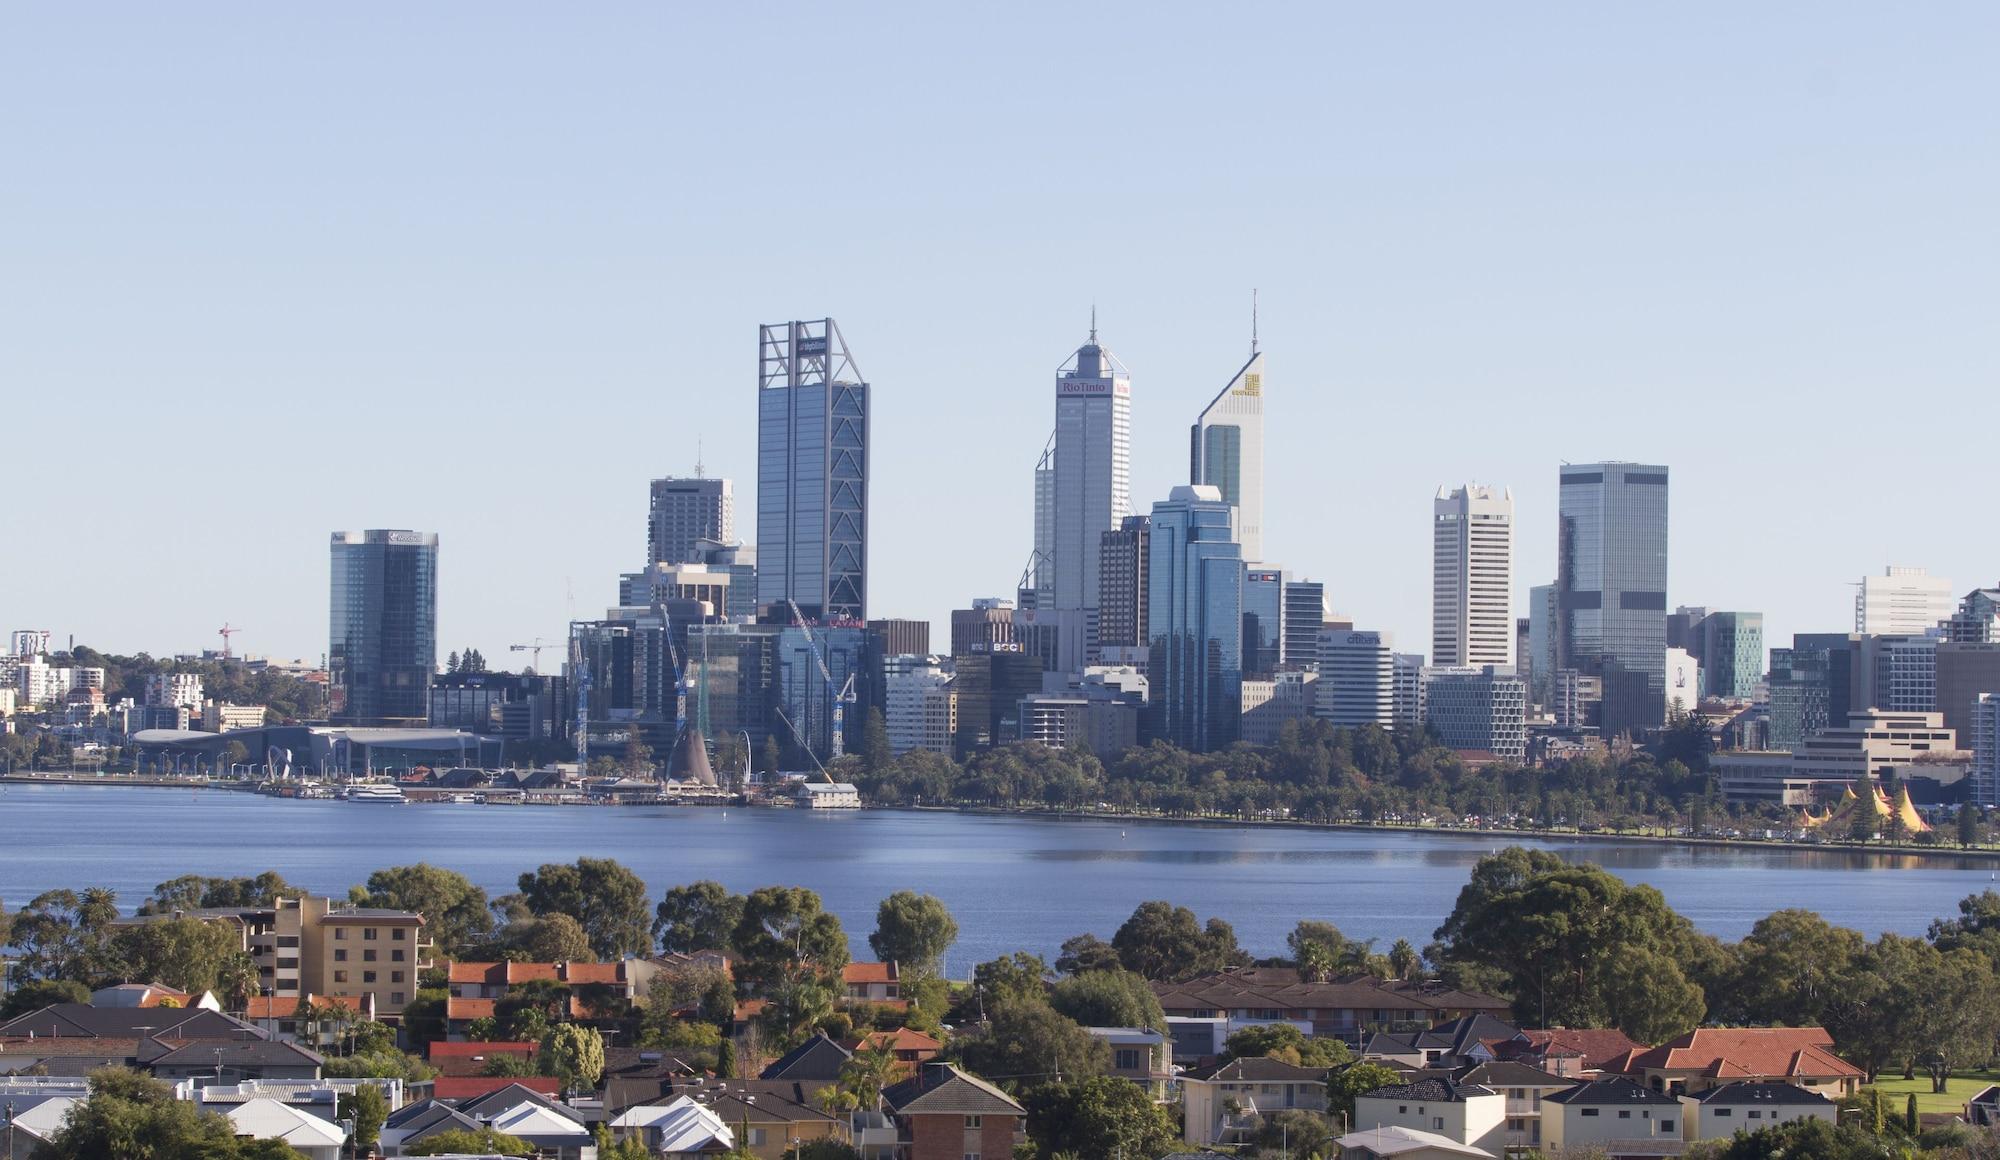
x=1841, y=819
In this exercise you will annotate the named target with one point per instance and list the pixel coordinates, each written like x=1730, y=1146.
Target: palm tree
x=868, y=1071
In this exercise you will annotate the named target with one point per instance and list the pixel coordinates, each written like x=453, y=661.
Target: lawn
x=1962, y=1086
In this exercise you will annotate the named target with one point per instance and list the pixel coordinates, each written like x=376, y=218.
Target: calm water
x=1013, y=883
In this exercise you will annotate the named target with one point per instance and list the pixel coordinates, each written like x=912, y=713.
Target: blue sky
x=483, y=269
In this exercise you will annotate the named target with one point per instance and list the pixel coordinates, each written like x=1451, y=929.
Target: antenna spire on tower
x=1253, y=321
x=1093, y=323
x=697, y=439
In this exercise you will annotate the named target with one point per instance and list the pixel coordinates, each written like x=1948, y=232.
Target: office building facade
x=1089, y=486
x=1985, y=777
x=1121, y=590
x=1194, y=609
x=685, y=511
x=1901, y=602
x=1409, y=686
x=1730, y=646
x=812, y=472
x=1263, y=620
x=1542, y=661
x=1483, y=709
x=1304, y=617
x=920, y=708
x=1611, y=588
x=989, y=622
x=1964, y=671
x=1899, y=673
x=1357, y=678
x=1226, y=451
x=1472, y=576
x=382, y=651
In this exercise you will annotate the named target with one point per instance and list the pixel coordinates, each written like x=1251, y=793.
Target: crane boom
x=842, y=697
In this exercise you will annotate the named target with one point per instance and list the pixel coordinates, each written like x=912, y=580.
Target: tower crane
x=535, y=648
x=225, y=632
x=842, y=697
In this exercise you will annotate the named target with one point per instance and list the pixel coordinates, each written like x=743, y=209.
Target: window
x=396, y=956
x=972, y=1122
x=368, y=976
x=291, y=964
x=1755, y=1114
x=1624, y=1113
x=972, y=1156
x=368, y=956
x=288, y=940
x=1402, y=1109
x=1128, y=1059
x=340, y=934
x=399, y=934
x=396, y=997
x=367, y=934
x=340, y=976
x=395, y=976
x=1724, y=1112
x=756, y=1137
x=340, y=954
x=1437, y=1123
x=1666, y=1125
x=1589, y=1111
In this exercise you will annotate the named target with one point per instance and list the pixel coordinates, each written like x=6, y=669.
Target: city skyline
x=1466, y=272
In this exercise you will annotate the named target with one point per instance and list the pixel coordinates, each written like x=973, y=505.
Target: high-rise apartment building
x=1542, y=661
x=1121, y=588
x=1357, y=678
x=1483, y=709
x=1901, y=602
x=1984, y=780
x=684, y=512
x=1611, y=582
x=1305, y=616
x=1964, y=671
x=1226, y=451
x=382, y=651
x=1090, y=480
x=919, y=707
x=812, y=471
x=1472, y=576
x=1730, y=646
x=1977, y=620
x=1194, y=611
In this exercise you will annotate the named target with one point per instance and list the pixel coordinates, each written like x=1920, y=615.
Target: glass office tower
x=812, y=472
x=1194, y=610
x=1611, y=588
x=382, y=651
x=1263, y=620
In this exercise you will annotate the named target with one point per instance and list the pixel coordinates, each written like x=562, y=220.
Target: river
x=1013, y=882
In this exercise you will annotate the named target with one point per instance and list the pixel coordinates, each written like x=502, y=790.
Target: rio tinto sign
x=1070, y=387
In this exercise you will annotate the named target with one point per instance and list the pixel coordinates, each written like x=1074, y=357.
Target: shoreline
x=1908, y=850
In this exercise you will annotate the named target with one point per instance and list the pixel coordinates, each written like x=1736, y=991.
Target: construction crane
x=842, y=698
x=225, y=632
x=536, y=649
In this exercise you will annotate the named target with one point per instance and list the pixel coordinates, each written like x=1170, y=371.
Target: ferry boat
x=375, y=791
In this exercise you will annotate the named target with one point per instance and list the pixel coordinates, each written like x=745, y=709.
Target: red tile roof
x=1595, y=1046
x=579, y=974
x=492, y=974
x=901, y=1039
x=440, y=1049
x=511, y=974
x=467, y=1087
x=857, y=973
x=1744, y=1053
x=456, y=1008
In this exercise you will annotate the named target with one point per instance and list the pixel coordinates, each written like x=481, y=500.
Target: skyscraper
x=1731, y=653
x=1263, y=620
x=1611, y=587
x=1194, y=609
x=1472, y=577
x=1089, y=486
x=685, y=511
x=1226, y=450
x=1901, y=602
x=1121, y=586
x=812, y=471
x=382, y=648
x=1305, y=615
x=1357, y=678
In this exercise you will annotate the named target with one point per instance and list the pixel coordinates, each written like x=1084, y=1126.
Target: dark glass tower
x=1611, y=588
x=383, y=648
x=1194, y=612
x=812, y=472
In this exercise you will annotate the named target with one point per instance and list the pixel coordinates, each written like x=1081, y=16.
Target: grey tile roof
x=1430, y=1091
x=941, y=1089
x=1761, y=1095
x=1259, y=1069
x=816, y=1058
x=82, y=1019
x=1611, y=1091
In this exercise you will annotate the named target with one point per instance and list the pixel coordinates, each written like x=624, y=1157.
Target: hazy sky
x=484, y=269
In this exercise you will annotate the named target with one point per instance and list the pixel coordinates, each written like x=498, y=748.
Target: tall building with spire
x=1083, y=486
x=812, y=471
x=1226, y=447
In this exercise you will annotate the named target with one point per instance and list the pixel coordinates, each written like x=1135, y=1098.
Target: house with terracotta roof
x=466, y=1059
x=943, y=1113
x=1711, y=1057
x=910, y=1047
x=872, y=983
x=1579, y=1053
x=278, y=1015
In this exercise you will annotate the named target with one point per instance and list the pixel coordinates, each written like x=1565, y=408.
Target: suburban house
x=1403, y=1144
x=1617, y=1116
x=494, y=980
x=1462, y=1113
x=305, y=1133
x=556, y=1130
x=817, y=1059
x=1524, y=1088
x=279, y=1016
x=1721, y=1112
x=1226, y=1103
x=1714, y=1056
x=908, y=1046
x=151, y=995
x=172, y=1043
x=1210, y=1008
x=1461, y=1042
x=412, y=1125
x=464, y=1059
x=1983, y=1109
x=871, y=983
x=680, y=1129
x=771, y=1117
x=942, y=1113
x=635, y=1075
x=1573, y=1054
x=1138, y=1054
